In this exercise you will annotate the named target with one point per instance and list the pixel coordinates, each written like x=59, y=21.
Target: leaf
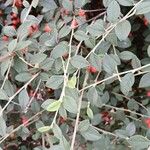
x=113, y=11
x=59, y=50
x=23, y=77
x=44, y=129
x=148, y=50
x=89, y=112
x=97, y=28
x=70, y=104
x=131, y=129
x=126, y=83
x=84, y=125
x=109, y=64
x=126, y=55
x=9, y=31
x=3, y=127
x=79, y=62
x=95, y=61
x=72, y=82
x=91, y=134
x=126, y=2
x=3, y=95
x=143, y=8
x=80, y=35
x=68, y=5
x=23, y=99
x=23, y=44
x=122, y=30
x=54, y=106
x=64, y=31
x=92, y=95
x=12, y=45
x=145, y=81
x=35, y=3
x=4, y=66
x=55, y=81
x=37, y=58
x=79, y=4
x=139, y=142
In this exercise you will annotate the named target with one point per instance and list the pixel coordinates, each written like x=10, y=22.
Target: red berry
x=47, y=28
x=74, y=24
x=91, y=69
x=146, y=22
x=5, y=38
x=25, y=120
x=81, y=13
x=13, y=15
x=18, y=3
x=147, y=122
x=14, y=22
x=148, y=93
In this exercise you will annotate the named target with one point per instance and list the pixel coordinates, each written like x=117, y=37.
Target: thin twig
x=12, y=97
x=78, y=113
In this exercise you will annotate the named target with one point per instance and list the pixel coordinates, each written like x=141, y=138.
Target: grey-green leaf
x=70, y=104
x=79, y=62
x=126, y=83
x=55, y=81
x=123, y=29
x=145, y=81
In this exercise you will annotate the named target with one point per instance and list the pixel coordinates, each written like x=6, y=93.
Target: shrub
x=73, y=77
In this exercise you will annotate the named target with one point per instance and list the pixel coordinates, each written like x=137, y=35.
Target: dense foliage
x=75, y=74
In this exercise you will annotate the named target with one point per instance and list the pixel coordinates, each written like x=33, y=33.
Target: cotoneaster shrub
x=73, y=77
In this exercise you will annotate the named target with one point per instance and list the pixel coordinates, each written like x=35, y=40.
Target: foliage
x=72, y=77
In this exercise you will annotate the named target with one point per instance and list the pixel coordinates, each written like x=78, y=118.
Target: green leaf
x=55, y=81
x=23, y=99
x=145, y=81
x=126, y=55
x=131, y=128
x=92, y=96
x=64, y=31
x=126, y=2
x=109, y=64
x=91, y=134
x=80, y=35
x=23, y=77
x=97, y=28
x=70, y=104
x=44, y=129
x=68, y=5
x=148, y=50
x=3, y=127
x=139, y=142
x=79, y=62
x=113, y=11
x=54, y=106
x=143, y=8
x=89, y=112
x=23, y=44
x=12, y=45
x=122, y=30
x=35, y=3
x=126, y=83
x=59, y=50
x=95, y=61
x=84, y=125
x=72, y=82
x=79, y=4
x=9, y=31
x=3, y=95
x=37, y=58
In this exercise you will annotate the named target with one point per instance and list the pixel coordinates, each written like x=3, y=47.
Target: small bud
x=5, y=38
x=47, y=28
x=81, y=13
x=74, y=24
